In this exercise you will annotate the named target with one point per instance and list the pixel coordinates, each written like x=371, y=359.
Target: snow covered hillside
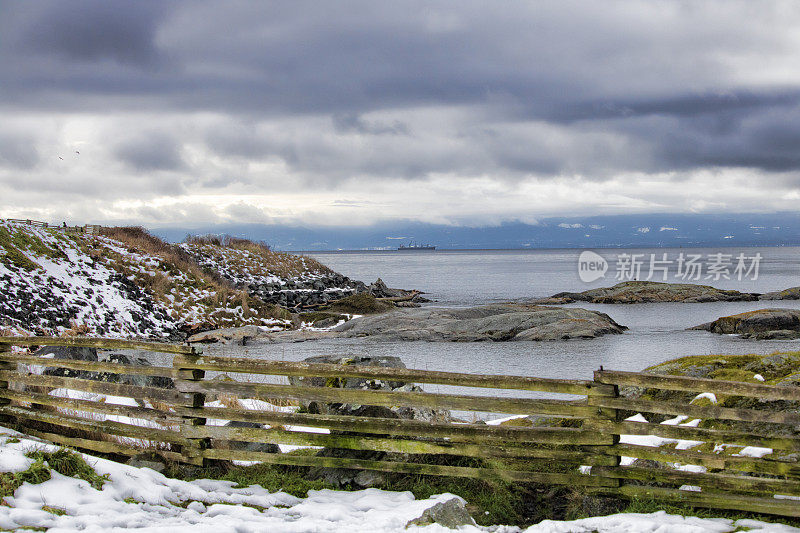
x=284, y=279
x=55, y=282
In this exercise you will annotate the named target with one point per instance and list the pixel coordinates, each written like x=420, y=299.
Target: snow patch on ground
x=144, y=500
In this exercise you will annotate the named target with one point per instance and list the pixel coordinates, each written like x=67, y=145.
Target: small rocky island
x=763, y=324
x=636, y=292
x=504, y=322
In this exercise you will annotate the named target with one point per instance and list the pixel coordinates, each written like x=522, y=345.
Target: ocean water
x=657, y=332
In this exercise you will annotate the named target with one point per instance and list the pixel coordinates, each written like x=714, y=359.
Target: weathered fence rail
x=583, y=440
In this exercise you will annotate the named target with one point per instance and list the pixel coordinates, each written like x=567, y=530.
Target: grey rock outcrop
x=788, y=294
x=488, y=323
x=634, y=292
x=450, y=514
x=761, y=324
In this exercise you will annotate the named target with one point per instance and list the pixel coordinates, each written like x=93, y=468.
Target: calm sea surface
x=465, y=278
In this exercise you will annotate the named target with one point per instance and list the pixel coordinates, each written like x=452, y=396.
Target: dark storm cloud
x=92, y=30
x=545, y=88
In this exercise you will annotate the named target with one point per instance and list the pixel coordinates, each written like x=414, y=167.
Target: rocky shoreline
x=763, y=324
x=636, y=292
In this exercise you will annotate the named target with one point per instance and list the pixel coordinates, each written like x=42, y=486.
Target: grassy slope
x=168, y=281
x=245, y=261
x=199, y=297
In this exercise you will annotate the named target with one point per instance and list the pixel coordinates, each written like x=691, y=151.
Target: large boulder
x=263, y=447
x=451, y=514
x=226, y=335
x=379, y=289
x=488, y=323
x=635, y=292
x=135, y=358
x=386, y=361
x=73, y=353
x=359, y=478
x=760, y=324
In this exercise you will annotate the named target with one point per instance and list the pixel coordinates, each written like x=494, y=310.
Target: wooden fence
x=583, y=441
x=91, y=229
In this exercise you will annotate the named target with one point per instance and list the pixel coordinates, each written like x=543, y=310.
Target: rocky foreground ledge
x=763, y=324
x=505, y=322
x=635, y=292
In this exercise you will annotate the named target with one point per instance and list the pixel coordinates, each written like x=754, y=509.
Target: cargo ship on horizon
x=413, y=246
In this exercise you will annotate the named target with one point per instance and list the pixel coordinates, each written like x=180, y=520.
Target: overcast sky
x=349, y=113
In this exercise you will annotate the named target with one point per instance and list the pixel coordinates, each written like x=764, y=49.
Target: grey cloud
x=18, y=151
x=150, y=152
x=370, y=91
x=94, y=30
x=351, y=122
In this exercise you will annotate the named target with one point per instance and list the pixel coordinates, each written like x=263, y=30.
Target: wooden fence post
x=192, y=453
x=6, y=365
x=605, y=415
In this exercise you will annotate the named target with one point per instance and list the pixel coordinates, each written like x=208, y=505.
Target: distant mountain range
x=619, y=231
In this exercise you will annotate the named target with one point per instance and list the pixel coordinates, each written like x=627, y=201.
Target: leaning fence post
x=605, y=417
x=192, y=452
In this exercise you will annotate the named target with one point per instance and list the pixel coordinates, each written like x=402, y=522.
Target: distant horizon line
x=519, y=248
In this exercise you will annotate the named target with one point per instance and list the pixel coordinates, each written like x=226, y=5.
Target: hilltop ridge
x=128, y=283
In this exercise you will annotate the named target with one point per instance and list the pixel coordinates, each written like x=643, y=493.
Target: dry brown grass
x=175, y=260
x=77, y=330
x=281, y=264
x=140, y=240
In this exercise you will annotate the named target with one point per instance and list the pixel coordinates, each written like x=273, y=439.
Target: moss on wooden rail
x=716, y=482
x=154, y=415
x=101, y=387
x=683, y=383
x=477, y=433
x=93, y=426
x=101, y=343
x=285, y=368
x=714, y=500
x=708, y=460
x=699, y=411
x=562, y=408
x=95, y=366
x=704, y=434
x=561, y=436
x=101, y=446
x=410, y=468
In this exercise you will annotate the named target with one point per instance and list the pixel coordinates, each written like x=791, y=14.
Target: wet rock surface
x=761, y=324
x=503, y=322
